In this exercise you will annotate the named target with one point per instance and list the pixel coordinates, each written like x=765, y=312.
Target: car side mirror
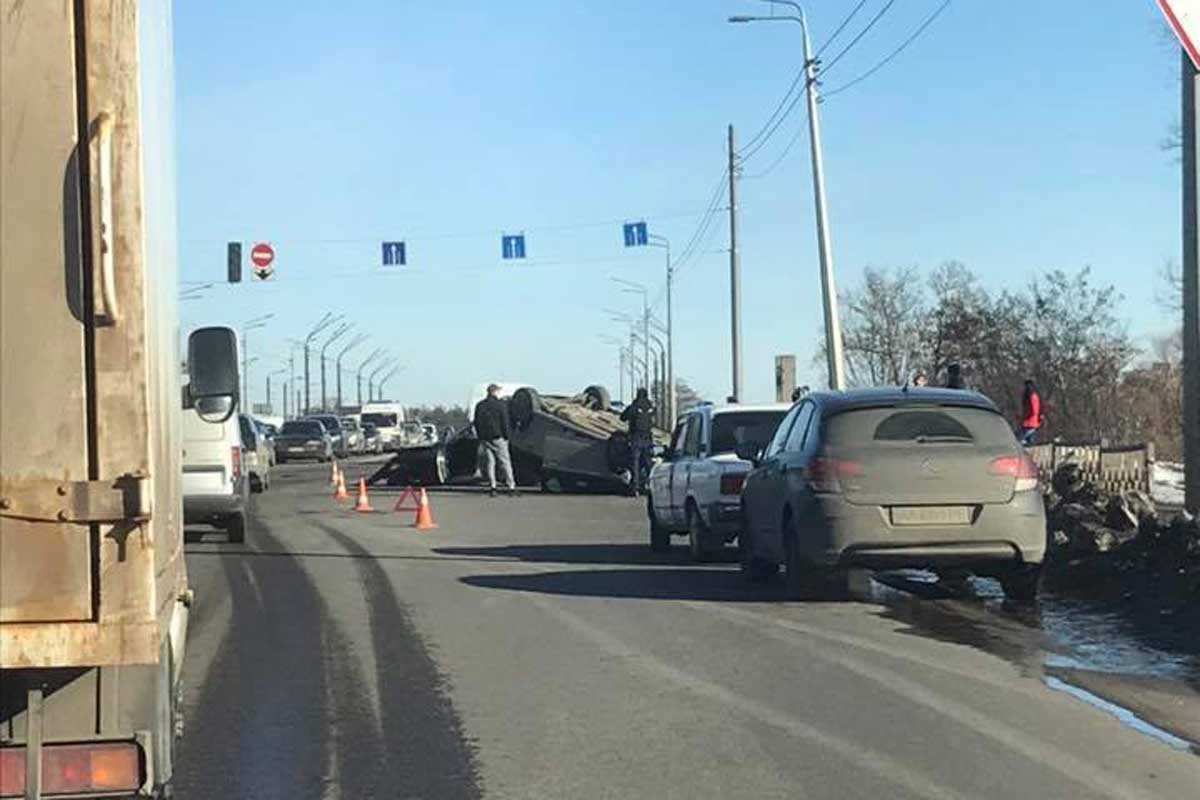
x=749, y=451
x=213, y=373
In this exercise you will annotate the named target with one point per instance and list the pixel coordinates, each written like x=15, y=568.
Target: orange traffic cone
x=333, y=473
x=362, y=506
x=340, y=494
x=424, y=520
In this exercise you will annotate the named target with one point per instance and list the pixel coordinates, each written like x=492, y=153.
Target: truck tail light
x=732, y=484
x=1019, y=467
x=825, y=474
x=73, y=769
x=235, y=458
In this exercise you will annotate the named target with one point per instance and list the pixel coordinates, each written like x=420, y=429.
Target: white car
x=696, y=488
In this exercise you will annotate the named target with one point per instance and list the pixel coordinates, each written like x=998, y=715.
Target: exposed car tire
x=598, y=398
x=235, y=525
x=699, y=546
x=755, y=569
x=1020, y=584
x=525, y=401
x=660, y=537
x=804, y=581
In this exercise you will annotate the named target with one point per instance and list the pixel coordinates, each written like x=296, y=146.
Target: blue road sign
x=393, y=254
x=635, y=234
x=512, y=246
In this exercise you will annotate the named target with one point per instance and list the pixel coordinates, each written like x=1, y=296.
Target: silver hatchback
x=889, y=478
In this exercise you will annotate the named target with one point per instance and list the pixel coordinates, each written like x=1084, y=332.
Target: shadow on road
x=634, y=554
x=696, y=583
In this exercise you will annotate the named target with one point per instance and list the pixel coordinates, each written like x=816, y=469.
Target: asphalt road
x=535, y=648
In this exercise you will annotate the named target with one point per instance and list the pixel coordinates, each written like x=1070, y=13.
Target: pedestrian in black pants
x=640, y=416
x=492, y=426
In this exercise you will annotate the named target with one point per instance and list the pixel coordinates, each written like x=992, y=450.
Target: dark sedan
x=301, y=439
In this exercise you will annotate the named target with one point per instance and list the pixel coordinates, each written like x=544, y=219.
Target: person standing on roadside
x=954, y=377
x=492, y=427
x=640, y=416
x=1031, y=415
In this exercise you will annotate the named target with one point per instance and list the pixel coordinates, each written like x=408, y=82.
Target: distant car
x=371, y=438
x=696, y=489
x=216, y=485
x=890, y=478
x=337, y=434
x=387, y=417
x=429, y=433
x=353, y=434
x=256, y=458
x=303, y=439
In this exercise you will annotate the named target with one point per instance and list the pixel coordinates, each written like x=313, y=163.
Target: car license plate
x=931, y=515
x=295, y=449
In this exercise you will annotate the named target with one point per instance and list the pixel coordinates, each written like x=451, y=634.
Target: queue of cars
x=873, y=478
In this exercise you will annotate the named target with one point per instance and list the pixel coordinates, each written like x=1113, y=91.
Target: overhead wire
x=779, y=158
x=871, y=24
x=883, y=62
x=840, y=28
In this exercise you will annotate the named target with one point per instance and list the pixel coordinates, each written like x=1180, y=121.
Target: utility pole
x=833, y=325
x=325, y=322
x=735, y=277
x=1191, y=286
x=336, y=334
x=362, y=337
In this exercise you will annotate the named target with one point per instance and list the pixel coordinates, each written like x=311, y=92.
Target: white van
x=388, y=419
x=216, y=483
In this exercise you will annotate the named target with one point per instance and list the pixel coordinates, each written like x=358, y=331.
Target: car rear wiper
x=943, y=438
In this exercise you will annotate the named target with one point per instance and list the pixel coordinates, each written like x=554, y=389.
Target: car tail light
x=235, y=457
x=73, y=769
x=825, y=474
x=732, y=484
x=1019, y=467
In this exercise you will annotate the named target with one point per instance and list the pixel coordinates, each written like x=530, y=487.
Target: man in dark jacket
x=640, y=416
x=492, y=427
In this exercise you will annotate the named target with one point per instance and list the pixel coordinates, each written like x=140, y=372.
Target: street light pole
x=631, y=286
x=387, y=378
x=336, y=334
x=378, y=351
x=279, y=371
x=325, y=322
x=662, y=241
x=735, y=277
x=249, y=325
x=362, y=337
x=833, y=329
x=387, y=362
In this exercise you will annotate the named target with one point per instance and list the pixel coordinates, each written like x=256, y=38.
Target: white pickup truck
x=696, y=488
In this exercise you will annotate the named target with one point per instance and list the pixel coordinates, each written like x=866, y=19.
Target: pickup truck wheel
x=699, y=538
x=236, y=527
x=660, y=537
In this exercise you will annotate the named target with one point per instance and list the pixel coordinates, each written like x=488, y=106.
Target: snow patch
x=1167, y=483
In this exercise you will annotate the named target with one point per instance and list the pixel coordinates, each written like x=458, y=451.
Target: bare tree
x=882, y=326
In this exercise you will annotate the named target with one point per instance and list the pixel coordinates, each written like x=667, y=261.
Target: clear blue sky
x=1014, y=136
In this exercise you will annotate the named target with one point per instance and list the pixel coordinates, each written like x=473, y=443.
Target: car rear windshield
x=733, y=428
x=919, y=425
x=301, y=428
x=380, y=420
x=350, y=424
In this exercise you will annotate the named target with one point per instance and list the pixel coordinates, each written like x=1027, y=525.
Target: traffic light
x=235, y=262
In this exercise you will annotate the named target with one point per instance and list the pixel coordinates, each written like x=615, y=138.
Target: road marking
x=1021, y=742
x=331, y=778
x=879, y=764
x=253, y=581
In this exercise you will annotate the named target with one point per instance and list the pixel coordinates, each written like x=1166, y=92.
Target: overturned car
x=561, y=443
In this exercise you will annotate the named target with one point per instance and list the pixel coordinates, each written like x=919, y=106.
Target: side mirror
x=213, y=373
x=749, y=451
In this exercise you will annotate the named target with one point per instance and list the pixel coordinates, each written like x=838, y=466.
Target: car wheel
x=804, y=580
x=280, y=460
x=755, y=569
x=660, y=537
x=236, y=527
x=598, y=398
x=699, y=545
x=1020, y=584
x=522, y=405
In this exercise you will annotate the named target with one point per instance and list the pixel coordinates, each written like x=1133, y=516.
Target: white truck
x=696, y=488
x=388, y=419
x=93, y=587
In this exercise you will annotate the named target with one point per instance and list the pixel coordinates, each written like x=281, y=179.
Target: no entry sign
x=261, y=256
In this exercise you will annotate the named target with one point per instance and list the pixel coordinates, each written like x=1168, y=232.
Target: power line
x=750, y=153
x=787, y=96
x=861, y=34
x=779, y=158
x=913, y=37
x=840, y=28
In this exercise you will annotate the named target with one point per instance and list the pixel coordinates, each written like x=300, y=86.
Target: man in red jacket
x=1031, y=419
